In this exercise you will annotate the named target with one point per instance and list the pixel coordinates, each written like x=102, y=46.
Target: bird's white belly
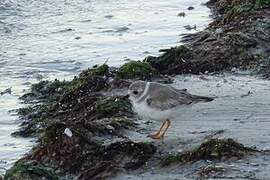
x=146, y=112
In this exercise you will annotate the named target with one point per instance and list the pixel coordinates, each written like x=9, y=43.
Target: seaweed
x=136, y=70
x=113, y=106
x=262, y=3
x=103, y=170
x=172, y=61
x=210, y=171
x=46, y=91
x=213, y=149
x=30, y=170
x=102, y=70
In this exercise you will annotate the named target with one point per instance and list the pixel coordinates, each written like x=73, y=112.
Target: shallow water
x=10, y=148
x=46, y=39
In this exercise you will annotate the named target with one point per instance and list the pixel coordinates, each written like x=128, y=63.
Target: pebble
x=68, y=132
x=181, y=14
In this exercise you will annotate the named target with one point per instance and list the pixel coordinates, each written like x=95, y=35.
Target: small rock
x=78, y=37
x=68, y=132
x=190, y=8
x=181, y=14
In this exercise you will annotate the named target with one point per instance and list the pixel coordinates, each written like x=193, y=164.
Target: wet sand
x=239, y=111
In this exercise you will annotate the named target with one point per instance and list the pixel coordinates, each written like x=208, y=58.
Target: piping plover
x=161, y=102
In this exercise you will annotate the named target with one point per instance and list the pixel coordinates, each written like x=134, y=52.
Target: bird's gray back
x=164, y=97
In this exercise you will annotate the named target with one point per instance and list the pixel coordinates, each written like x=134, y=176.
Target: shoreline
x=91, y=107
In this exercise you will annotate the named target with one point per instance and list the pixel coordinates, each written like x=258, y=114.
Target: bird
x=161, y=102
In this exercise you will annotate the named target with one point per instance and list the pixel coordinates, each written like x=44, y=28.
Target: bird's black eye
x=135, y=92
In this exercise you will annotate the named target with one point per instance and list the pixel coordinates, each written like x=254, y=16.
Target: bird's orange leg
x=168, y=124
x=164, y=127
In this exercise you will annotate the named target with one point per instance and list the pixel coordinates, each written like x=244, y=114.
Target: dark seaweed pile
x=239, y=37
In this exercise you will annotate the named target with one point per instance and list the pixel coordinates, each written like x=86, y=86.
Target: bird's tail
x=202, y=98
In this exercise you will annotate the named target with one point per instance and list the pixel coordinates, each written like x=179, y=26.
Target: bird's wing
x=166, y=98
x=193, y=98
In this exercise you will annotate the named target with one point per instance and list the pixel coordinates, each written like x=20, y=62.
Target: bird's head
x=136, y=89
